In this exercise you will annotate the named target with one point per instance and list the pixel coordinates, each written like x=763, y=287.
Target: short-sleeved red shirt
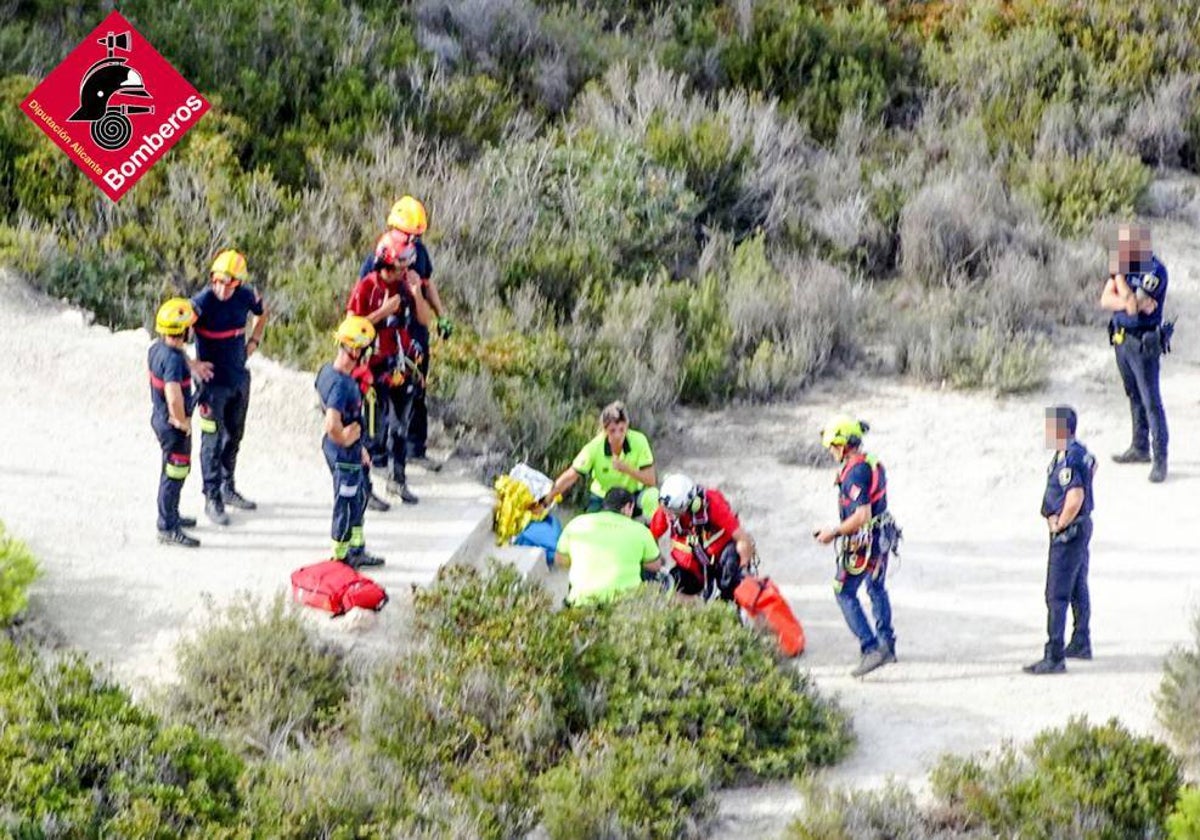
x=712, y=527
x=368, y=295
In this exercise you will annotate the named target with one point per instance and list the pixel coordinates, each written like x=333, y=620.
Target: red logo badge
x=115, y=106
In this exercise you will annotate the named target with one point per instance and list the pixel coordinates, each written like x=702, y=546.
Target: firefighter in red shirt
x=709, y=546
x=392, y=298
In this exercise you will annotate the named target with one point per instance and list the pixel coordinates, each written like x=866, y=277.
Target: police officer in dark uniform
x=1067, y=508
x=1135, y=293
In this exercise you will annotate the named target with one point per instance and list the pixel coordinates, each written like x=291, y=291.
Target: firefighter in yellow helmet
x=230, y=319
x=866, y=534
x=342, y=444
x=172, y=400
x=408, y=216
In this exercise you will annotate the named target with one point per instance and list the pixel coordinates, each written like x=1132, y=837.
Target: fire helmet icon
x=107, y=78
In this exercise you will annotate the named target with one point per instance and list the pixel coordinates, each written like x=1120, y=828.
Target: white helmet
x=678, y=491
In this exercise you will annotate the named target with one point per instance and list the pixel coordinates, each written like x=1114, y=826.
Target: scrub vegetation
x=690, y=202
x=495, y=715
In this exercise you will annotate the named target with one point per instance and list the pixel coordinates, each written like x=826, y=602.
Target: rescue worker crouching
x=710, y=548
x=1135, y=294
x=391, y=298
x=172, y=401
x=223, y=311
x=866, y=534
x=606, y=552
x=617, y=457
x=1067, y=508
x=342, y=444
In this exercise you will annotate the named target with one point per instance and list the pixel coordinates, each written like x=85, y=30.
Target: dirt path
x=966, y=475
x=79, y=473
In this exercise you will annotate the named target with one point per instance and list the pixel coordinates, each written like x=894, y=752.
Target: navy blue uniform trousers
x=1067, y=587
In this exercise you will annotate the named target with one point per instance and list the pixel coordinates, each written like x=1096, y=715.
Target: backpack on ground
x=763, y=603
x=336, y=588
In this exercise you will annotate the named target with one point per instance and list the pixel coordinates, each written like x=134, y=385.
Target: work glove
x=445, y=327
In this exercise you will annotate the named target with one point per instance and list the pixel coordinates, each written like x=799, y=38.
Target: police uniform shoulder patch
x=1064, y=476
x=1150, y=282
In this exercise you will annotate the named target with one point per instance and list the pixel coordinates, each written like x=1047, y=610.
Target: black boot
x=1078, y=650
x=397, y=487
x=376, y=503
x=1158, y=473
x=178, y=538
x=231, y=497
x=1046, y=666
x=1133, y=455
x=214, y=509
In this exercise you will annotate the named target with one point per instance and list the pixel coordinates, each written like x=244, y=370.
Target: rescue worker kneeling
x=709, y=547
x=866, y=534
x=606, y=551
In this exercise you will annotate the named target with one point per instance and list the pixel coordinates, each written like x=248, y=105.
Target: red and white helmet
x=395, y=249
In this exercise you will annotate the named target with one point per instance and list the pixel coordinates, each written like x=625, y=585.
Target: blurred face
x=223, y=286
x=1133, y=247
x=1057, y=436
x=615, y=432
x=838, y=451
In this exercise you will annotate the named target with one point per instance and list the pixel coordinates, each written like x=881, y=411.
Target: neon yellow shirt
x=607, y=551
x=596, y=459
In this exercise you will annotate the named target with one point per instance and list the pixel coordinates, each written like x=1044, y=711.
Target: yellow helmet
x=355, y=332
x=230, y=263
x=174, y=317
x=843, y=430
x=408, y=216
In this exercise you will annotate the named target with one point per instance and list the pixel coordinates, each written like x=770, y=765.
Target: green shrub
x=635, y=787
x=1178, y=698
x=1184, y=822
x=890, y=813
x=259, y=677
x=18, y=569
x=1074, y=193
x=1098, y=781
x=78, y=759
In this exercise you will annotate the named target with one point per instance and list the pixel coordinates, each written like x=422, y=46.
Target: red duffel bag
x=335, y=587
x=763, y=603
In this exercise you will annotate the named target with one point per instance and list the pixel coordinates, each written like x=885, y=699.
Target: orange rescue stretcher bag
x=763, y=603
x=336, y=588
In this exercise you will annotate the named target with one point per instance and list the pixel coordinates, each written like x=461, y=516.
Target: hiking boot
x=426, y=463
x=399, y=488
x=871, y=660
x=1132, y=455
x=358, y=559
x=376, y=503
x=214, y=509
x=889, y=654
x=179, y=538
x=231, y=497
x=1046, y=666
x=1158, y=473
x=1074, y=651
x=187, y=522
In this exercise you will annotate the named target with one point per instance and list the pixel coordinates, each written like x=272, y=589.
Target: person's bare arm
x=435, y=299
x=422, y=311
x=852, y=523
x=389, y=307
x=176, y=413
x=745, y=546
x=256, y=332
x=1117, y=296
x=1071, y=506
x=561, y=484
x=647, y=475
x=340, y=434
